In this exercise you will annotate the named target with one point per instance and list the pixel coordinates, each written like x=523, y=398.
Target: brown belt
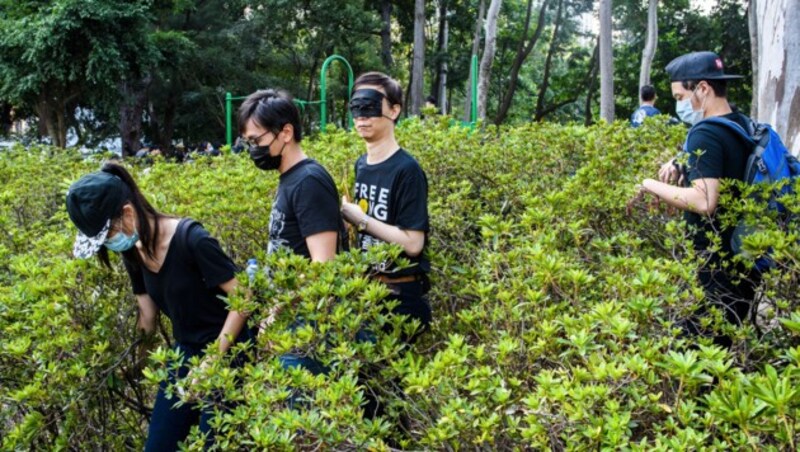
x=400, y=279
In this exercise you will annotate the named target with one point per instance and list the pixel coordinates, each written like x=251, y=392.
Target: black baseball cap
x=698, y=66
x=92, y=202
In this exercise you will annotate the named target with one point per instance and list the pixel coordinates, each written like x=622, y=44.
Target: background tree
x=55, y=55
x=488, y=56
x=778, y=66
x=476, y=43
x=606, y=63
x=524, y=49
x=418, y=67
x=651, y=44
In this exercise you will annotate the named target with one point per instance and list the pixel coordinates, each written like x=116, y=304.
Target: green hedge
x=554, y=310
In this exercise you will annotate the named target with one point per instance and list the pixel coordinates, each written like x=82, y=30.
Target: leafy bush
x=554, y=310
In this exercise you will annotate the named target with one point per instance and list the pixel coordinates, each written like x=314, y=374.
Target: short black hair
x=272, y=110
x=720, y=87
x=647, y=93
x=431, y=99
x=394, y=93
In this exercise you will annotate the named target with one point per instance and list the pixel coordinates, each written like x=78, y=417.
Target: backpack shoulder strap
x=730, y=125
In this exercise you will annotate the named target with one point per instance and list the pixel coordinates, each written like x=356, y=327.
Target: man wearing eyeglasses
x=305, y=215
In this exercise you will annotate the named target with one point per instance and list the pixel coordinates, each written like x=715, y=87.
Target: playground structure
x=323, y=92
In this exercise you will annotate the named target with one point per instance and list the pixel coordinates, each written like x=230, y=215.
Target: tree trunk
x=523, y=51
x=606, y=63
x=592, y=85
x=440, y=87
x=752, y=25
x=52, y=112
x=133, y=100
x=386, y=35
x=488, y=56
x=61, y=125
x=779, y=68
x=417, y=80
x=476, y=45
x=540, y=110
x=652, y=43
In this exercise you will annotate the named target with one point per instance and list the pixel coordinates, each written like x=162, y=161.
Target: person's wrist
x=362, y=223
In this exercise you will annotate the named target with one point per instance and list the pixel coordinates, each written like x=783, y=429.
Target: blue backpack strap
x=728, y=124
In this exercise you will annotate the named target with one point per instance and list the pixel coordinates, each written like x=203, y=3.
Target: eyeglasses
x=253, y=142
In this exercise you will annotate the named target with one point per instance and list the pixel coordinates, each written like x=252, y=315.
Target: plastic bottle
x=251, y=269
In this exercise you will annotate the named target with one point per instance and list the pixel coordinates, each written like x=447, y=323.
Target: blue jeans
x=169, y=425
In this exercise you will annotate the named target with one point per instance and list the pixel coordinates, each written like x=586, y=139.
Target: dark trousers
x=169, y=425
x=734, y=298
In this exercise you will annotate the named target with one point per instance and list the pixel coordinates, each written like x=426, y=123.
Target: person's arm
x=233, y=323
x=701, y=197
x=148, y=314
x=411, y=241
x=322, y=245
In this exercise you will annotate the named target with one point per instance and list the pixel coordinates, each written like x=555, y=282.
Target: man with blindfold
x=391, y=195
x=305, y=214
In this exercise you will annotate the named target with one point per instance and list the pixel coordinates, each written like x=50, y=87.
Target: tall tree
x=779, y=68
x=548, y=63
x=524, y=49
x=418, y=65
x=53, y=54
x=386, y=35
x=439, y=87
x=476, y=45
x=651, y=44
x=752, y=25
x=488, y=57
x=606, y=63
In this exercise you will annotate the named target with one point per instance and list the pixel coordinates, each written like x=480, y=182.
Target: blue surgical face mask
x=686, y=112
x=122, y=242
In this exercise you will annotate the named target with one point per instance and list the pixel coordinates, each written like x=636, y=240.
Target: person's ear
x=395, y=111
x=286, y=133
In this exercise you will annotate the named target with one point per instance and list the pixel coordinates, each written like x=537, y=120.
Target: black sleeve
x=316, y=206
x=215, y=266
x=137, y=279
x=708, y=163
x=412, y=200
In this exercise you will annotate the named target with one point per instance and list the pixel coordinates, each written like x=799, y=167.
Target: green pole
x=474, y=106
x=228, y=119
x=323, y=90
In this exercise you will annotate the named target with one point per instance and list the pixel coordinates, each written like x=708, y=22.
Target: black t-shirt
x=186, y=288
x=307, y=203
x=723, y=155
x=395, y=192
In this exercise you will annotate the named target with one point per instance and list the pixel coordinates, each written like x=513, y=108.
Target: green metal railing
x=322, y=102
x=323, y=91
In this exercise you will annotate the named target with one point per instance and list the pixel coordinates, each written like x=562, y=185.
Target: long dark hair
x=144, y=212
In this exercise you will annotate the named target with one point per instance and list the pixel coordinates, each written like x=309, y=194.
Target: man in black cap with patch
x=715, y=152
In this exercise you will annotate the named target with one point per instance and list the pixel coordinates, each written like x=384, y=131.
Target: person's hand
x=351, y=212
x=194, y=377
x=640, y=193
x=670, y=173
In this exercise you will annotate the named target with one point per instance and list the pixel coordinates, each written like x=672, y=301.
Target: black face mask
x=367, y=103
x=261, y=157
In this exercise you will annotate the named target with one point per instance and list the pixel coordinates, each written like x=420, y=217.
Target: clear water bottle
x=251, y=269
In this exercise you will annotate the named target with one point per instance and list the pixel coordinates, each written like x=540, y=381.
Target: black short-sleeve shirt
x=395, y=192
x=307, y=203
x=722, y=154
x=186, y=288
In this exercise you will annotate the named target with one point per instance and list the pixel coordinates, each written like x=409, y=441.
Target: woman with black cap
x=175, y=266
